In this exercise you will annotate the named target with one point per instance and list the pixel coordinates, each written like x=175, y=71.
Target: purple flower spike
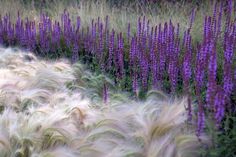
x=192, y=17
x=111, y=49
x=200, y=122
x=105, y=93
x=219, y=106
x=211, y=84
x=135, y=82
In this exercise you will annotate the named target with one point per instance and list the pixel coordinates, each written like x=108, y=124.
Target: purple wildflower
x=111, y=49
x=200, y=122
x=211, y=84
x=219, y=106
x=105, y=93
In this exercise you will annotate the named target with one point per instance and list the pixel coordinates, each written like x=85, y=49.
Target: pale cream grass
x=46, y=110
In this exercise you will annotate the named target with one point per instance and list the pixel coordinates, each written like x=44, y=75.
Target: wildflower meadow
x=88, y=84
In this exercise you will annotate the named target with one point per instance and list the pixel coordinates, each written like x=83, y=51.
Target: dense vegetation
x=160, y=56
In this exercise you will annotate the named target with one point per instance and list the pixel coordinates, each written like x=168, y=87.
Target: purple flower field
x=153, y=57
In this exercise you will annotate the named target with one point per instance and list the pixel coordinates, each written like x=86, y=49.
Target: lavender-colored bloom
x=134, y=82
x=172, y=52
x=75, y=55
x=101, y=43
x=151, y=40
x=156, y=46
x=144, y=72
x=105, y=93
x=132, y=52
x=188, y=42
x=211, y=84
x=187, y=73
x=56, y=35
x=1, y=30
x=173, y=74
x=192, y=17
x=219, y=106
x=228, y=83
x=44, y=34
x=228, y=55
x=121, y=56
x=162, y=55
x=200, y=122
x=199, y=69
x=111, y=49
x=154, y=73
x=32, y=37
x=41, y=37
x=118, y=57
x=208, y=29
x=93, y=40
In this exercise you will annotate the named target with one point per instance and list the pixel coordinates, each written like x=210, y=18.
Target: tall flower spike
x=131, y=53
x=200, y=122
x=101, y=44
x=121, y=56
x=192, y=18
x=227, y=78
x=111, y=49
x=211, y=84
x=219, y=106
x=75, y=55
x=144, y=72
x=105, y=93
x=135, y=82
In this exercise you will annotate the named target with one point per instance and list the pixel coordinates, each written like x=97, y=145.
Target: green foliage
x=224, y=140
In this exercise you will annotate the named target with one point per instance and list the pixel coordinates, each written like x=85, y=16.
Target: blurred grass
x=120, y=12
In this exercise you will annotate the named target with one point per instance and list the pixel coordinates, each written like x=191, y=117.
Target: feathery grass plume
x=52, y=118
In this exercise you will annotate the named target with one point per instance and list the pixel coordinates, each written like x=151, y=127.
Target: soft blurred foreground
x=51, y=108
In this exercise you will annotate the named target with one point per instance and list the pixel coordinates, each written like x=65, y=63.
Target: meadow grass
x=119, y=17
x=49, y=108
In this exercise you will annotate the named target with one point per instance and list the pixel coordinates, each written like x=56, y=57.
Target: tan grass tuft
x=42, y=116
